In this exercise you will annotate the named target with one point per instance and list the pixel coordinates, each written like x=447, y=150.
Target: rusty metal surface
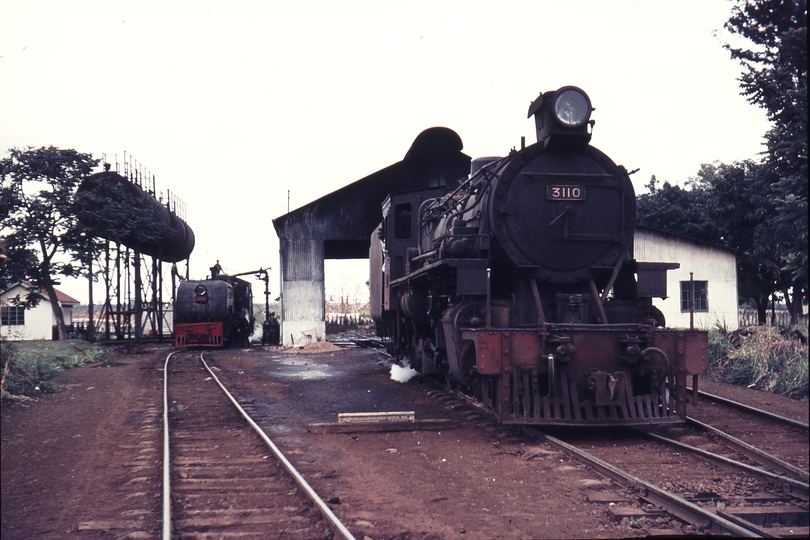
x=689, y=348
x=577, y=374
x=204, y=334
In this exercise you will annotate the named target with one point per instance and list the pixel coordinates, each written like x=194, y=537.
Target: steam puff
x=403, y=374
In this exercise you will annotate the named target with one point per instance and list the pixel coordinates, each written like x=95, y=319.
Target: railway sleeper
x=770, y=521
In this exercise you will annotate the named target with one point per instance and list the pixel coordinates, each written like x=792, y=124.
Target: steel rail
x=334, y=522
x=791, y=482
x=676, y=505
x=167, y=502
x=752, y=452
x=754, y=410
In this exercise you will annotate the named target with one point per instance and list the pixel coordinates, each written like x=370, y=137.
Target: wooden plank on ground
x=377, y=417
x=106, y=525
x=380, y=427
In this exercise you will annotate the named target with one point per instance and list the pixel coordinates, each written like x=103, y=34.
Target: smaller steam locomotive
x=214, y=312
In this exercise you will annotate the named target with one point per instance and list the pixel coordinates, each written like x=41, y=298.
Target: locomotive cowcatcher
x=215, y=312
x=518, y=285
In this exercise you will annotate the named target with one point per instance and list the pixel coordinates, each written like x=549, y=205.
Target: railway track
x=737, y=505
x=715, y=481
x=709, y=480
x=223, y=477
x=778, y=419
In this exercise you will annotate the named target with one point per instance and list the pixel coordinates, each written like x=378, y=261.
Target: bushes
x=771, y=359
x=31, y=365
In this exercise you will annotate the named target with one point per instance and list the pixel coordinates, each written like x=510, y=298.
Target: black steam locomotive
x=215, y=312
x=519, y=285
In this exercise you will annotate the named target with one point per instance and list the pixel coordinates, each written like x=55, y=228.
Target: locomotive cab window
x=403, y=218
x=701, y=295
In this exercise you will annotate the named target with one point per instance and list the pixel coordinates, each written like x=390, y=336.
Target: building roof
x=660, y=232
x=62, y=297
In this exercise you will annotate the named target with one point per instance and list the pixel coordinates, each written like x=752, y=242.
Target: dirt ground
x=85, y=462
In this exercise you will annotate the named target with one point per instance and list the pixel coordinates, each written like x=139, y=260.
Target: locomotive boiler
x=518, y=285
x=214, y=312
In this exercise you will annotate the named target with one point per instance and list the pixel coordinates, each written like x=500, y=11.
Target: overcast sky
x=230, y=104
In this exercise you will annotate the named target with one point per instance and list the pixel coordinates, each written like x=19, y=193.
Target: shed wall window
x=701, y=295
x=13, y=316
x=402, y=221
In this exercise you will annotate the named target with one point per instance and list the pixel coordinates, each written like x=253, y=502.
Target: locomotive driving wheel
x=461, y=354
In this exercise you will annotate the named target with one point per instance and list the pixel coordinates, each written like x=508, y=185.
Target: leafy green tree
x=38, y=187
x=727, y=205
x=676, y=210
x=16, y=264
x=774, y=60
x=736, y=198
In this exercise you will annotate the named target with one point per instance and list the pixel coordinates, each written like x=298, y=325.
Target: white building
x=712, y=268
x=19, y=324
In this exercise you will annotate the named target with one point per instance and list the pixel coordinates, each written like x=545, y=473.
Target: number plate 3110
x=565, y=193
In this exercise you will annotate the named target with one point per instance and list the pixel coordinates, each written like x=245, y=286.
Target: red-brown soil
x=85, y=462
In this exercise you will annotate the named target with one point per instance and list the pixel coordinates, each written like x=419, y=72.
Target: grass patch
x=771, y=359
x=31, y=365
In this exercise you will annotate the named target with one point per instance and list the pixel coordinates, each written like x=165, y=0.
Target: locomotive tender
x=214, y=312
x=518, y=284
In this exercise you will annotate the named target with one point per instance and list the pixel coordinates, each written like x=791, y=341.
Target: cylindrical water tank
x=118, y=210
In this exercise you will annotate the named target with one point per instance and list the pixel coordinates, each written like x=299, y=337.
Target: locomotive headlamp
x=562, y=117
x=200, y=290
x=571, y=107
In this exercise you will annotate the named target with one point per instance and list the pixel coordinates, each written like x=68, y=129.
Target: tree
x=38, y=187
x=736, y=198
x=727, y=205
x=774, y=61
x=677, y=210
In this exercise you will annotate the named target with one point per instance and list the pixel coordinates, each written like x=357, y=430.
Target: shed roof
x=345, y=218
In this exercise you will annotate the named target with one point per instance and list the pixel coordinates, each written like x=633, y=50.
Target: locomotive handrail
x=567, y=174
